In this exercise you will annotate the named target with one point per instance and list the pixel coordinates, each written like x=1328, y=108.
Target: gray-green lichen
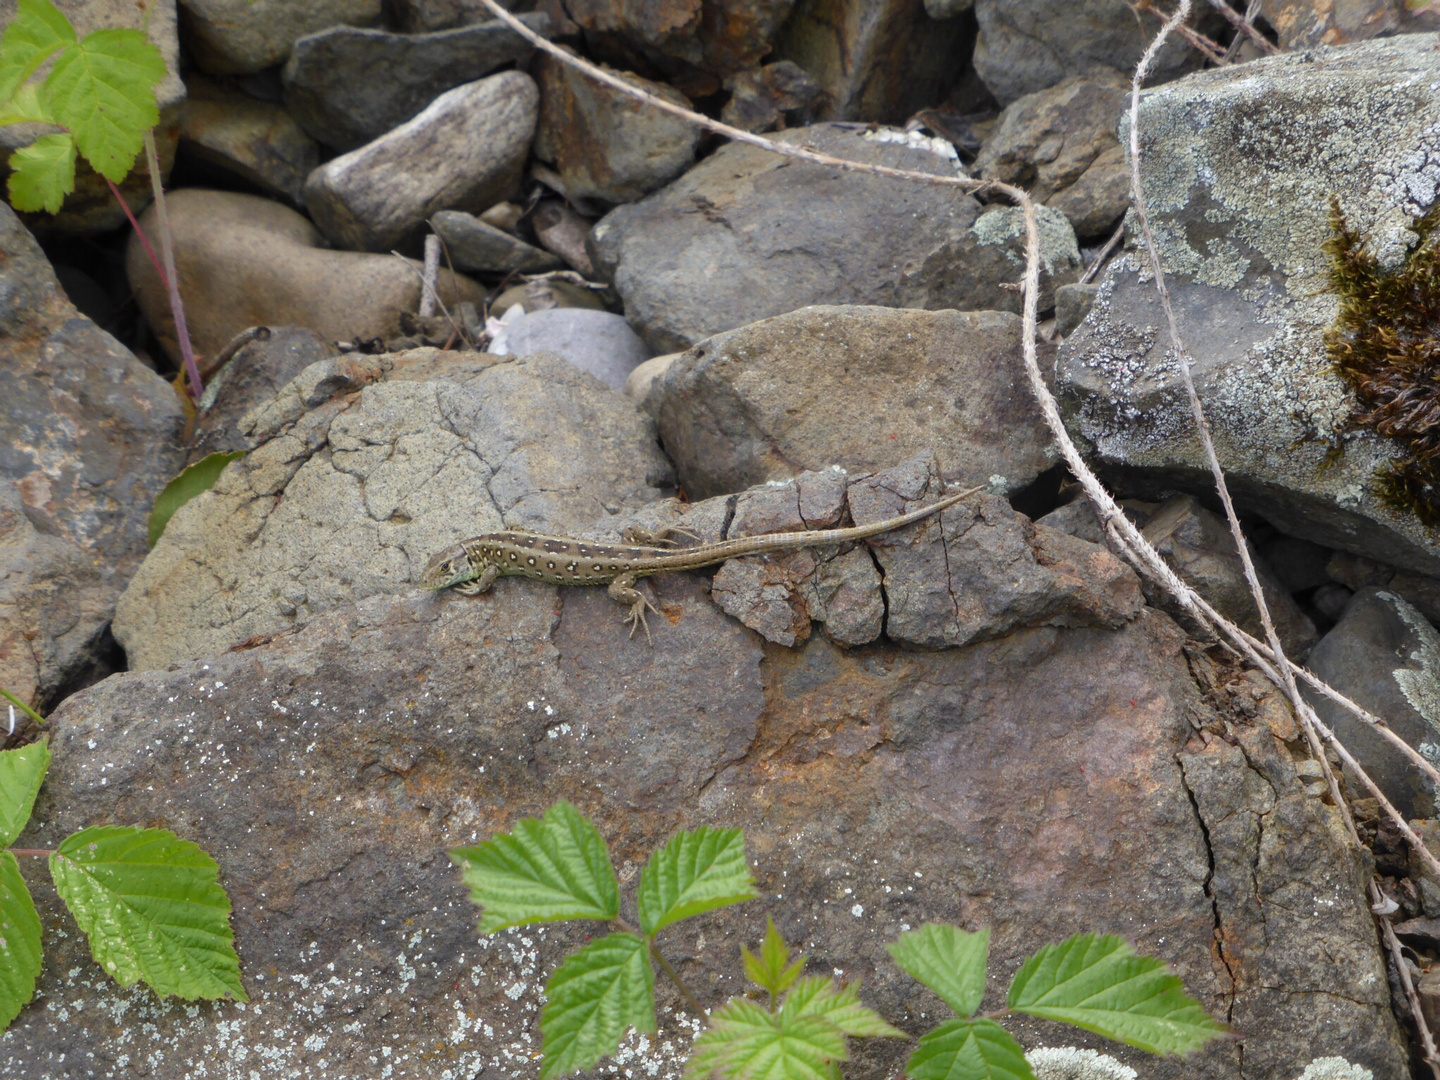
x=1335, y=1068
x=1069, y=1063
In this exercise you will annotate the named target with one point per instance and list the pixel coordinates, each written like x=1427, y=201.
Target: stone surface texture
x=860, y=387
x=1385, y=656
x=88, y=438
x=474, y=245
x=875, y=60
x=597, y=342
x=256, y=140
x=605, y=144
x=366, y=466
x=746, y=234
x=465, y=151
x=1240, y=166
x=1028, y=45
x=877, y=789
x=237, y=37
x=1303, y=24
x=347, y=85
x=1052, y=140
x=781, y=94
x=243, y=261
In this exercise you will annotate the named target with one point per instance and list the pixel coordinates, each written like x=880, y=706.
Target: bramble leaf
x=25, y=107
x=968, y=1050
x=695, y=872
x=817, y=995
x=545, y=871
x=596, y=996
x=769, y=970
x=193, y=480
x=103, y=90
x=19, y=941
x=22, y=772
x=42, y=174
x=153, y=909
x=745, y=1042
x=1099, y=984
x=39, y=31
x=948, y=960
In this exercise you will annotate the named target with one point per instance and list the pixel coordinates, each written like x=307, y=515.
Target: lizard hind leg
x=622, y=590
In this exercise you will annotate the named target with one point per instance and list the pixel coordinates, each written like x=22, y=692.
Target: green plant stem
x=167, y=252
x=670, y=972
x=26, y=709
x=36, y=852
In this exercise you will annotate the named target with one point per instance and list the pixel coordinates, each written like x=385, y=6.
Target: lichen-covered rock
x=364, y=467
x=864, y=388
x=1002, y=785
x=1240, y=167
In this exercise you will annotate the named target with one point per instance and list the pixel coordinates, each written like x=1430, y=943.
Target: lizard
x=472, y=566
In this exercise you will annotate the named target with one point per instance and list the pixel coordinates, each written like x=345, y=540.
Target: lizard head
x=452, y=566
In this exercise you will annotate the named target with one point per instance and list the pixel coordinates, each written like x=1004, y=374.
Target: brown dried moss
x=1386, y=344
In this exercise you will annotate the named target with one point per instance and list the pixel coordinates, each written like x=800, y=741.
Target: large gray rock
x=605, y=144
x=597, y=342
x=747, y=234
x=332, y=90
x=237, y=37
x=998, y=786
x=1384, y=656
x=861, y=387
x=88, y=437
x=256, y=140
x=1303, y=24
x=1240, y=166
x=464, y=152
x=244, y=261
x=366, y=466
x=1027, y=45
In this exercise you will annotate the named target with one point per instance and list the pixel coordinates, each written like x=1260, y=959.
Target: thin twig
x=172, y=286
x=1402, y=970
x=1093, y=270
x=1245, y=24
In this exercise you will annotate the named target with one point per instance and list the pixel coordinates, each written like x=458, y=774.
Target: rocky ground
x=987, y=719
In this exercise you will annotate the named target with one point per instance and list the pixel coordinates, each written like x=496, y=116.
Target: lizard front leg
x=622, y=590
x=482, y=583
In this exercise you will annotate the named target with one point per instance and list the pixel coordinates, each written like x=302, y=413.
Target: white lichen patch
x=1071, y=1063
x=941, y=148
x=1335, y=1068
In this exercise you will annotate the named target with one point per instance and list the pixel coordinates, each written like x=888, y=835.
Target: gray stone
x=88, y=437
x=464, y=152
x=421, y=16
x=596, y=342
x=996, y=786
x=605, y=144
x=1384, y=656
x=861, y=387
x=1072, y=303
x=1028, y=45
x=781, y=94
x=243, y=261
x=1199, y=547
x=256, y=140
x=474, y=245
x=236, y=37
x=1297, y=564
x=1240, y=166
x=366, y=466
x=333, y=92
x=776, y=235
x=1304, y=24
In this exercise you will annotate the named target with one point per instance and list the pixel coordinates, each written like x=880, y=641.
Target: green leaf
x=596, y=996
x=192, y=481
x=19, y=941
x=1099, y=984
x=968, y=1050
x=696, y=872
x=817, y=995
x=948, y=960
x=745, y=1042
x=42, y=174
x=25, y=108
x=545, y=871
x=39, y=31
x=769, y=970
x=153, y=909
x=22, y=772
x=103, y=90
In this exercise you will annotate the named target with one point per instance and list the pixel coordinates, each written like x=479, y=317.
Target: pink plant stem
x=145, y=240
x=167, y=250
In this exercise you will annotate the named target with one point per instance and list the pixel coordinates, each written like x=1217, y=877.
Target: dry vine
x=1267, y=656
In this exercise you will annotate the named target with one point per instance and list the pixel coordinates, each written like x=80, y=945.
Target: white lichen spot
x=1071, y=1063
x=1335, y=1068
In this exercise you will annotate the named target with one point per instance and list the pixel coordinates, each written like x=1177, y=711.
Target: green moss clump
x=1386, y=344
